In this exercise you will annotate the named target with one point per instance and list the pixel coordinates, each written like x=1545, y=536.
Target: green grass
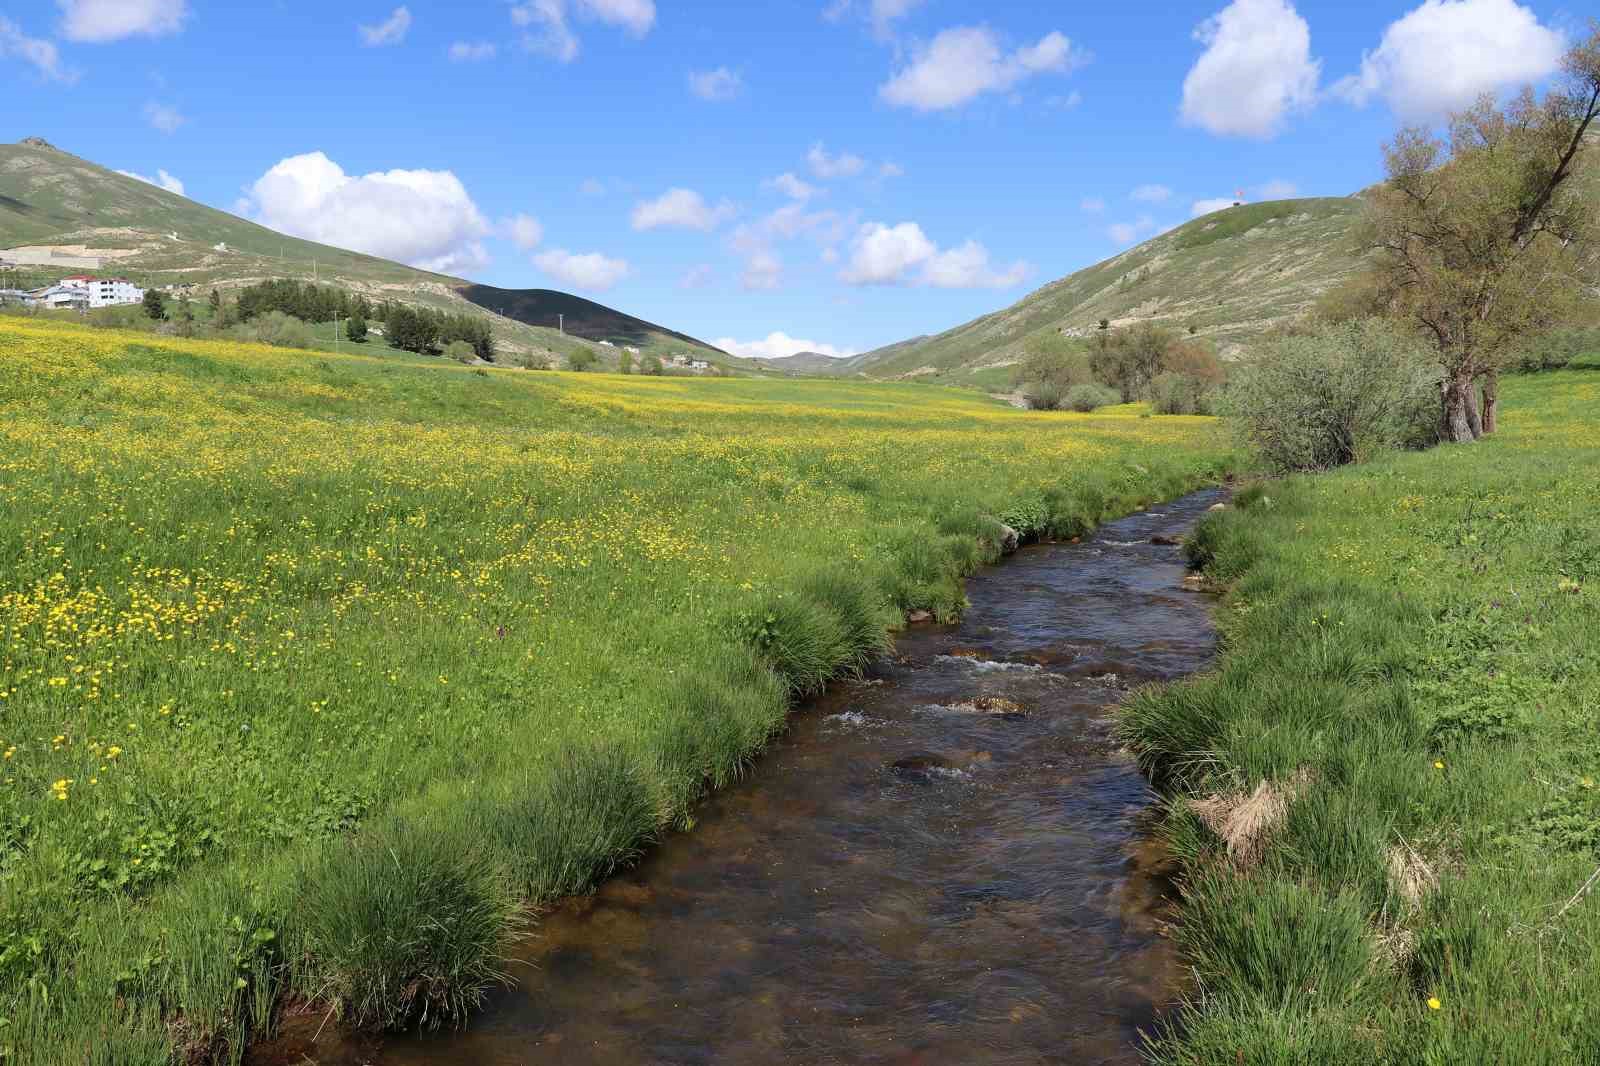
x=1421, y=637
x=317, y=670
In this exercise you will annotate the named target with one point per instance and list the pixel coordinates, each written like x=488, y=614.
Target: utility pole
x=561, y=323
x=336, y=332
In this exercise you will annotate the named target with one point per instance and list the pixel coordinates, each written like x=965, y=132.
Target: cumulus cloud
x=1256, y=68
x=391, y=30
x=100, y=21
x=421, y=217
x=162, y=180
x=587, y=271
x=778, y=345
x=827, y=167
x=1443, y=55
x=792, y=187
x=904, y=255
x=962, y=63
x=163, y=117
x=1203, y=207
x=472, y=51
x=763, y=271
x=546, y=29
x=525, y=231
x=680, y=209
x=42, y=55
x=715, y=85
x=1151, y=194
x=1129, y=232
x=882, y=14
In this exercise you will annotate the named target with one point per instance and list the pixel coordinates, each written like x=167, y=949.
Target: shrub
x=1086, y=398
x=356, y=329
x=1180, y=394
x=407, y=923
x=1043, y=396
x=1335, y=395
x=276, y=328
x=460, y=351
x=1556, y=349
x=582, y=359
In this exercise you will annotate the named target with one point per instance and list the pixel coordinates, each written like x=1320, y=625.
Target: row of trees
x=1178, y=374
x=419, y=329
x=302, y=299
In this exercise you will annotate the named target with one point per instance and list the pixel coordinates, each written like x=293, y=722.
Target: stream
x=943, y=862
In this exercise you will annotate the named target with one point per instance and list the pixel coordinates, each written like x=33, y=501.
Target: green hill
x=52, y=200
x=1229, y=275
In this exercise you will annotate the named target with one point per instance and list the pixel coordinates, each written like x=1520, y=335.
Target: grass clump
x=1410, y=639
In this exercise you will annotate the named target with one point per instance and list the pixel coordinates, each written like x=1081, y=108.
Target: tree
x=215, y=300
x=582, y=359
x=1484, y=238
x=651, y=364
x=461, y=352
x=155, y=304
x=1052, y=362
x=625, y=362
x=355, y=328
x=1131, y=358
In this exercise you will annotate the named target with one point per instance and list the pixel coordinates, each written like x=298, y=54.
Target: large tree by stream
x=1488, y=235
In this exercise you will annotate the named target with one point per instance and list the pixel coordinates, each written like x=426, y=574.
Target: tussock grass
x=341, y=664
x=1419, y=634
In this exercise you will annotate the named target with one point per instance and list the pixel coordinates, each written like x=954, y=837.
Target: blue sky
x=833, y=174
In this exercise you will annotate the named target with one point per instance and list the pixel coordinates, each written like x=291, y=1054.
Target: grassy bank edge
x=409, y=920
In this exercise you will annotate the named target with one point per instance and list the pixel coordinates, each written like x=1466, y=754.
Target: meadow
x=319, y=673
x=1386, y=800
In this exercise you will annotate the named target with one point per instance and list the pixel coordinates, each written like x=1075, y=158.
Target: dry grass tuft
x=1245, y=822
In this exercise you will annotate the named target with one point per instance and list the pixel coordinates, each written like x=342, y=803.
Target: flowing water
x=940, y=863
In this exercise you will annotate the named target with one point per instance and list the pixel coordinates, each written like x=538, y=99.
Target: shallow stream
x=940, y=863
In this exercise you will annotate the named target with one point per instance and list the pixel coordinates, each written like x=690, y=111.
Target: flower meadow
x=319, y=674
x=1405, y=727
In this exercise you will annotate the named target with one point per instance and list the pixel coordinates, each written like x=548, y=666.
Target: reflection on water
x=938, y=864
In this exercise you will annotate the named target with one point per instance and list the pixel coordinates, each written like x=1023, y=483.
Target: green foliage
x=1336, y=395
x=460, y=352
x=275, y=328
x=625, y=362
x=1044, y=396
x=1404, y=643
x=155, y=304
x=651, y=365
x=1233, y=222
x=355, y=329
x=582, y=359
x=1089, y=397
x=1130, y=358
x=1181, y=394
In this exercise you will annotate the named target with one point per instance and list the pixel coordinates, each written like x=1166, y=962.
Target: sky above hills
x=830, y=175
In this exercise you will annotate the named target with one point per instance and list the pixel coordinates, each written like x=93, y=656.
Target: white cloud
x=962, y=63
x=421, y=217
x=881, y=13
x=1205, y=207
x=778, y=345
x=472, y=51
x=1443, y=55
x=1092, y=205
x=162, y=180
x=792, y=187
x=715, y=85
x=903, y=255
x=391, y=30
x=41, y=54
x=697, y=277
x=100, y=21
x=891, y=170
x=1129, y=232
x=162, y=117
x=1256, y=68
x=546, y=29
x=967, y=267
x=681, y=209
x=763, y=271
x=525, y=231
x=827, y=167
x=1277, y=189
x=1151, y=194
x=588, y=271
x=1064, y=103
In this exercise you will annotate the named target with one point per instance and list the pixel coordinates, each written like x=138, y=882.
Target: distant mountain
x=75, y=215
x=1229, y=275
x=578, y=317
x=805, y=363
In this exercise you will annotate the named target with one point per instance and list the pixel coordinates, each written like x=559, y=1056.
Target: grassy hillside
x=1386, y=800
x=1230, y=275
x=51, y=198
x=314, y=666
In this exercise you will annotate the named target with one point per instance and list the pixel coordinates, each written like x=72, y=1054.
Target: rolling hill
x=60, y=214
x=1230, y=275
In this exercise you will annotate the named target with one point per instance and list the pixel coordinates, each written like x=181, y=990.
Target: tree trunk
x=1474, y=418
x=1458, y=401
x=1491, y=403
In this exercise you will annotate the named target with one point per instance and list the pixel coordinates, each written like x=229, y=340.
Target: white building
x=62, y=298
x=699, y=364
x=104, y=292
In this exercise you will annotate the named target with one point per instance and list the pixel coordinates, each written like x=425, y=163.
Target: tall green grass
x=1418, y=640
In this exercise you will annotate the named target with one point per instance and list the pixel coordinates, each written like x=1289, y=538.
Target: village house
x=103, y=292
